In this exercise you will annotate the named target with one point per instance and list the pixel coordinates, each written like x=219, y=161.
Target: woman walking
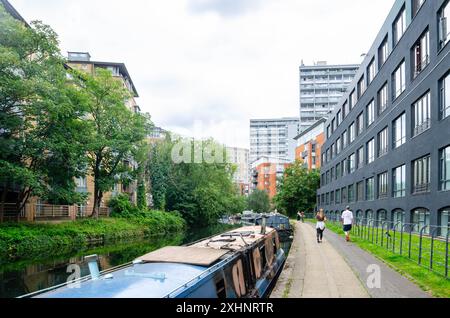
x=320, y=226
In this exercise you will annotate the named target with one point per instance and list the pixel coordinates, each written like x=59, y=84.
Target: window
x=422, y=114
x=398, y=216
x=360, y=191
x=351, y=193
x=333, y=150
x=360, y=124
x=399, y=80
x=344, y=167
x=370, y=113
x=339, y=118
x=332, y=174
x=333, y=125
x=81, y=182
x=332, y=197
x=444, y=169
x=383, y=52
x=371, y=151
x=338, y=146
x=382, y=99
x=344, y=138
x=422, y=175
x=444, y=222
x=352, y=133
x=352, y=163
x=399, y=26
x=383, y=142
x=353, y=100
x=417, y=4
x=338, y=171
x=444, y=30
x=371, y=72
x=328, y=131
x=421, y=218
x=328, y=198
x=370, y=189
x=344, y=195
x=421, y=53
x=360, y=158
x=383, y=185
x=444, y=96
x=338, y=196
x=399, y=129
x=361, y=87
x=345, y=110
x=399, y=182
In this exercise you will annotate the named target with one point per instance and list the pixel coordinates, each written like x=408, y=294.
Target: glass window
x=339, y=118
x=344, y=138
x=360, y=191
x=421, y=218
x=422, y=114
x=352, y=163
x=370, y=113
x=399, y=182
x=422, y=175
x=351, y=193
x=399, y=26
x=421, y=53
x=382, y=99
x=398, y=216
x=328, y=131
x=444, y=29
x=360, y=158
x=353, y=99
x=338, y=196
x=383, y=52
x=383, y=142
x=345, y=110
x=383, y=185
x=444, y=222
x=360, y=124
x=344, y=167
x=399, y=80
x=371, y=151
x=370, y=189
x=417, y=4
x=81, y=182
x=444, y=169
x=399, y=131
x=338, y=146
x=371, y=72
x=444, y=96
x=338, y=171
x=344, y=195
x=333, y=125
x=352, y=133
x=361, y=87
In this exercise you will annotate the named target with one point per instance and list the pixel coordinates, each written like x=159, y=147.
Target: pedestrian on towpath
x=347, y=221
x=320, y=226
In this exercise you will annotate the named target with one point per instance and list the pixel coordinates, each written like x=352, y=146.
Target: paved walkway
x=336, y=269
x=316, y=271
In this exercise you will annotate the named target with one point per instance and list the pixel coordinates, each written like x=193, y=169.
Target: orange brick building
x=266, y=172
x=309, y=145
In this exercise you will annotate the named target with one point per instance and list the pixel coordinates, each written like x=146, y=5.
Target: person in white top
x=347, y=221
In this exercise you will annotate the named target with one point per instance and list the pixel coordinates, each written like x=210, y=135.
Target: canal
x=28, y=276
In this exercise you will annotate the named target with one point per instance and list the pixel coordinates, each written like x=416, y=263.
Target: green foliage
x=297, y=190
x=42, y=136
x=202, y=192
x=258, y=201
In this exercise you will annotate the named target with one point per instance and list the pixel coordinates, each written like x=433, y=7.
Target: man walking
x=347, y=221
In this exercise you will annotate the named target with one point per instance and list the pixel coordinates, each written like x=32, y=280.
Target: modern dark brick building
x=387, y=153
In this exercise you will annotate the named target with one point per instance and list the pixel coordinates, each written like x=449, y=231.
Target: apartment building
x=387, y=152
x=239, y=157
x=309, y=145
x=273, y=138
x=266, y=173
x=321, y=88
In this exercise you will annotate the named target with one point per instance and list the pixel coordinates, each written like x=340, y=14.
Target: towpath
x=337, y=269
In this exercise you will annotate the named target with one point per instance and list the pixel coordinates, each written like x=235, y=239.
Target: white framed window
x=352, y=133
x=399, y=80
x=444, y=96
x=383, y=99
x=360, y=157
x=399, y=131
x=399, y=26
x=421, y=52
x=370, y=113
x=383, y=142
x=360, y=124
x=422, y=114
x=444, y=169
x=422, y=175
x=370, y=189
x=444, y=29
x=383, y=52
x=371, y=151
x=371, y=72
x=399, y=182
x=383, y=185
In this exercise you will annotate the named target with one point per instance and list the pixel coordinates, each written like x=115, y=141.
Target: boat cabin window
x=262, y=251
x=220, y=288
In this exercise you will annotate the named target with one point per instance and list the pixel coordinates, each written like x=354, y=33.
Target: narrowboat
x=278, y=222
x=243, y=263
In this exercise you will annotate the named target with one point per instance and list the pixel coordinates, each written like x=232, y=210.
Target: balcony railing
x=424, y=126
x=421, y=65
x=422, y=188
x=47, y=211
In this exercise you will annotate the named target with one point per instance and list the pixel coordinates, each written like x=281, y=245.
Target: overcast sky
x=206, y=67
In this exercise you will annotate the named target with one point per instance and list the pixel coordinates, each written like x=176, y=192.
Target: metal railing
x=11, y=212
x=84, y=211
x=427, y=245
x=47, y=211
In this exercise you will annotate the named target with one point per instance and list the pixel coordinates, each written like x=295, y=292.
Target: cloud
x=225, y=8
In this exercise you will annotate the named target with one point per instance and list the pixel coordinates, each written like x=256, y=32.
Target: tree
x=41, y=131
x=259, y=201
x=115, y=132
x=297, y=190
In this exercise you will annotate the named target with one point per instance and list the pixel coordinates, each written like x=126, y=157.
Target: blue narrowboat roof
x=152, y=280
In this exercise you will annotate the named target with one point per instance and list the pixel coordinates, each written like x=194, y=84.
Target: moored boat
x=243, y=263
